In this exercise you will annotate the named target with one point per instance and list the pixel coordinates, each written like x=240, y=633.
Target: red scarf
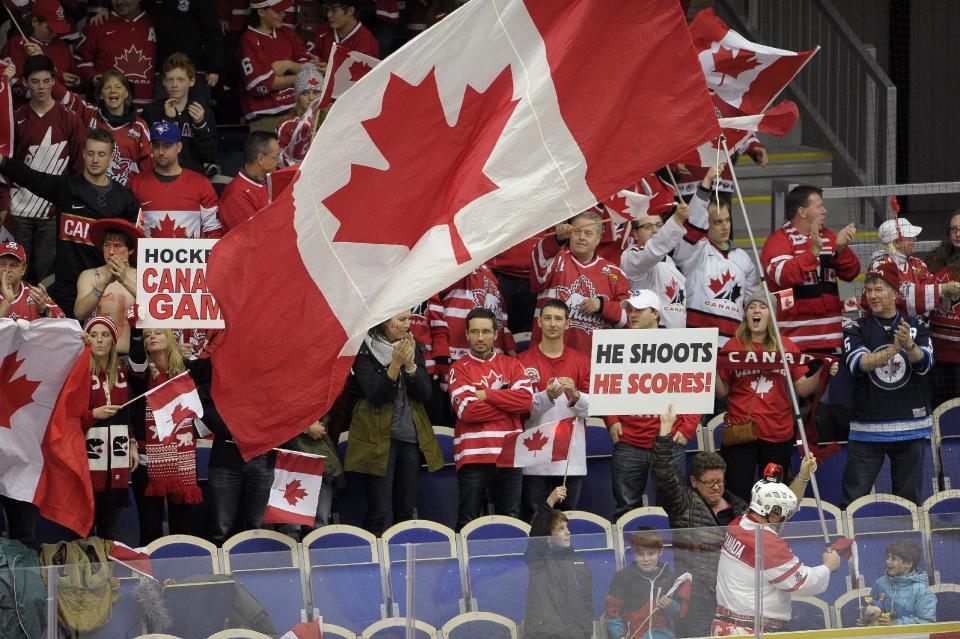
x=172, y=463
x=108, y=445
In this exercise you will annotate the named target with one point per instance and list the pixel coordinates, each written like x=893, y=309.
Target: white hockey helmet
x=768, y=494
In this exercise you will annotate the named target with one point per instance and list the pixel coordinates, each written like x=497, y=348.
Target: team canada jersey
x=257, y=53
x=241, y=199
x=761, y=396
x=784, y=575
x=482, y=424
x=360, y=40
x=23, y=307
x=129, y=46
x=184, y=207
x=945, y=323
x=718, y=281
x=814, y=320
x=649, y=267
x=14, y=51
x=557, y=274
x=919, y=290
x=131, y=139
x=541, y=369
x=448, y=310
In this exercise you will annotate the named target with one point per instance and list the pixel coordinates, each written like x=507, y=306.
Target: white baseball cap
x=900, y=227
x=641, y=299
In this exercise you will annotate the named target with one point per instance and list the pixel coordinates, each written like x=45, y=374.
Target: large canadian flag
x=44, y=390
x=344, y=69
x=745, y=74
x=503, y=119
x=297, y=478
x=174, y=402
x=537, y=446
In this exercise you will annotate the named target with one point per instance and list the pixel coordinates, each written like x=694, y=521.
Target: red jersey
x=241, y=199
x=360, y=40
x=129, y=46
x=420, y=328
x=814, y=321
x=131, y=138
x=23, y=307
x=51, y=143
x=448, y=310
x=234, y=13
x=482, y=424
x=761, y=396
x=185, y=206
x=58, y=52
x=388, y=11
x=515, y=261
x=558, y=275
x=945, y=323
x=919, y=292
x=257, y=53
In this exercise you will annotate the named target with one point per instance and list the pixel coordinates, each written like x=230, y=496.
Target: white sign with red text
x=172, y=284
x=645, y=371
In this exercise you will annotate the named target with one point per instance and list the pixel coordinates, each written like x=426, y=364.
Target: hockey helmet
x=768, y=494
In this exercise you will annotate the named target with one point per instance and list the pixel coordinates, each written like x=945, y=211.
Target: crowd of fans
x=115, y=140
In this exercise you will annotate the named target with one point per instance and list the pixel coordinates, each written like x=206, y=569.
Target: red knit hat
x=888, y=272
x=102, y=320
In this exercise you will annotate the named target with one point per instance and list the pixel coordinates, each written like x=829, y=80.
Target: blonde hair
x=745, y=340
x=112, y=368
x=175, y=364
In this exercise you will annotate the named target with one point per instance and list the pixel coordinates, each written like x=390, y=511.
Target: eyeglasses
x=711, y=484
x=649, y=226
x=474, y=332
x=955, y=229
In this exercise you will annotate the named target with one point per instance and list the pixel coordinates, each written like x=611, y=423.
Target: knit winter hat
x=308, y=78
x=758, y=296
x=104, y=321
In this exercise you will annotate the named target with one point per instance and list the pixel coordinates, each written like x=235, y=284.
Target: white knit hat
x=308, y=78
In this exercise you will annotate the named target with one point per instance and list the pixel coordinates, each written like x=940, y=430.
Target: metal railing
x=843, y=92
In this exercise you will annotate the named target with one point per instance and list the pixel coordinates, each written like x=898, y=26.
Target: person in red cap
x=111, y=290
x=19, y=300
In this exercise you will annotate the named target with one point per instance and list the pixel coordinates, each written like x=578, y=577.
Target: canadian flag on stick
x=537, y=446
x=174, y=402
x=297, y=478
x=344, y=68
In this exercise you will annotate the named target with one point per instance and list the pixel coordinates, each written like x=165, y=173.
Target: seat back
x=809, y=613
x=941, y=515
x=647, y=517
x=494, y=535
x=847, y=608
x=479, y=625
x=588, y=530
x=713, y=432
x=339, y=544
x=498, y=584
x=397, y=628
x=948, y=601
x=333, y=631
x=260, y=549
x=169, y=556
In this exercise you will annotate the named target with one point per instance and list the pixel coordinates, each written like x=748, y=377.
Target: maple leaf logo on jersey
x=582, y=286
x=671, y=290
x=535, y=443
x=167, y=227
x=726, y=62
x=440, y=158
x=761, y=385
x=293, y=492
x=358, y=69
x=17, y=393
x=133, y=63
x=486, y=296
x=492, y=380
x=717, y=285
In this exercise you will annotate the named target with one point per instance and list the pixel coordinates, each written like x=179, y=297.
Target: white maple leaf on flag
x=761, y=385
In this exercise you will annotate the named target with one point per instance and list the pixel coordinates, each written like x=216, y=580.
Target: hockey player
x=719, y=276
x=783, y=576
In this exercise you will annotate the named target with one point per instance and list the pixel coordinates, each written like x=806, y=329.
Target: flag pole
x=141, y=396
x=17, y=25
x=673, y=180
x=565, y=469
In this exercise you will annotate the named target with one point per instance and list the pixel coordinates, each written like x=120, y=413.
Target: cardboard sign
x=645, y=371
x=172, y=284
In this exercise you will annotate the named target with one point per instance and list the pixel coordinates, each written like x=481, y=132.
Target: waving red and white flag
x=626, y=206
x=479, y=133
x=745, y=74
x=344, y=69
x=739, y=130
x=297, y=478
x=44, y=390
x=6, y=113
x=173, y=402
x=306, y=630
x=537, y=446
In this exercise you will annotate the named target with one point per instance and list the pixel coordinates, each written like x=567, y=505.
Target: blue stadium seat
x=603, y=566
x=946, y=419
x=169, y=554
x=124, y=616
x=479, y=625
x=588, y=530
x=437, y=492
x=494, y=535
x=396, y=629
x=805, y=537
x=712, y=436
x=351, y=500
x=596, y=493
x=809, y=613
x=492, y=548
x=948, y=602
x=877, y=520
x=847, y=608
x=598, y=439
x=650, y=517
x=942, y=522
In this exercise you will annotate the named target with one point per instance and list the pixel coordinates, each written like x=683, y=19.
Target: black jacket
x=192, y=27
x=199, y=142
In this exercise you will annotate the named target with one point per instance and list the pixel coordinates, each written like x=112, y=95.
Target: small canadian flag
x=296, y=488
x=785, y=299
x=537, y=446
x=173, y=402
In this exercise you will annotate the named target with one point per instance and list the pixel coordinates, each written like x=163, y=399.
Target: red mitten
x=133, y=313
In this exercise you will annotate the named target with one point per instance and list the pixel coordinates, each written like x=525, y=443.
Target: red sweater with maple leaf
x=130, y=46
x=257, y=53
x=945, y=323
x=56, y=50
x=241, y=199
x=558, y=275
x=483, y=423
x=184, y=206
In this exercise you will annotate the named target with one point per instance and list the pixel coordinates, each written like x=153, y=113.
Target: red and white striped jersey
x=558, y=275
x=256, y=54
x=945, y=323
x=919, y=291
x=482, y=424
x=649, y=267
x=783, y=574
x=814, y=320
x=184, y=207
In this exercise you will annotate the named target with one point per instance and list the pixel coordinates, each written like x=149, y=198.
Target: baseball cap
x=163, y=131
x=644, y=298
x=277, y=5
x=14, y=249
x=900, y=227
x=51, y=11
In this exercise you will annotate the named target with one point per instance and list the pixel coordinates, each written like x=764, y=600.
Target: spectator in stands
x=193, y=30
x=125, y=41
x=633, y=435
x=591, y=286
x=306, y=90
x=513, y=270
x=233, y=23
x=648, y=265
x=944, y=262
x=19, y=300
x=270, y=56
x=919, y=292
x=188, y=109
x=346, y=31
x=637, y=604
x=560, y=590
x=390, y=429
x=46, y=27
x=759, y=426
x=111, y=448
x=697, y=516
x=901, y=596
x=719, y=276
x=78, y=200
x=170, y=477
x=110, y=290
x=489, y=392
x=47, y=138
x=115, y=115
x=783, y=574
x=247, y=191
x=890, y=356
x=560, y=377
x=176, y=202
